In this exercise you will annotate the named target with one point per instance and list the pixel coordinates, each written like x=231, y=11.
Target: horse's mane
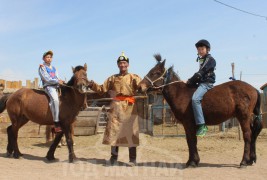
x=158, y=58
x=171, y=73
x=78, y=68
x=64, y=89
x=71, y=81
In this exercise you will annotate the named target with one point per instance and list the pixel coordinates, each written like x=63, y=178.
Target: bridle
x=160, y=78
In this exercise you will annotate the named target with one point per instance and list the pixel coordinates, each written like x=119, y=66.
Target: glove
x=196, y=78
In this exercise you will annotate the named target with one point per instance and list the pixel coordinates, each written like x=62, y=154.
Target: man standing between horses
x=204, y=79
x=122, y=128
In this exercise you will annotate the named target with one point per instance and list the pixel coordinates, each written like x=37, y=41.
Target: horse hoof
x=16, y=156
x=253, y=159
x=243, y=166
x=50, y=158
x=191, y=164
x=8, y=154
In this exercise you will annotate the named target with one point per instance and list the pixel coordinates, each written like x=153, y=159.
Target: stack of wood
x=87, y=121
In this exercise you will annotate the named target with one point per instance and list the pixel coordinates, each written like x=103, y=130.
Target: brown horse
x=231, y=99
x=30, y=104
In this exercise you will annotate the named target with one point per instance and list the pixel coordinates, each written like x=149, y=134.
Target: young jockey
x=204, y=79
x=50, y=81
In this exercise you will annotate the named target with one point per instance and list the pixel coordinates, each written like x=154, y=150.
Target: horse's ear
x=85, y=67
x=73, y=69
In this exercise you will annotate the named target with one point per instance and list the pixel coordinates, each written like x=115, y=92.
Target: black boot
x=114, y=155
x=132, y=156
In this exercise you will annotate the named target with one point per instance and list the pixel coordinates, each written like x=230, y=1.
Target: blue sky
x=96, y=31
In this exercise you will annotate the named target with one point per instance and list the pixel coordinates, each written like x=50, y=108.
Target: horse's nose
x=141, y=88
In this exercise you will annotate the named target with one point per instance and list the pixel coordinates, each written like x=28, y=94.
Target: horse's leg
x=70, y=144
x=15, y=128
x=50, y=154
x=191, y=139
x=48, y=132
x=256, y=129
x=245, y=125
x=10, y=144
x=72, y=133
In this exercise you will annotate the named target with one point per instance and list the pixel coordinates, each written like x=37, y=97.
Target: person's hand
x=90, y=83
x=184, y=81
x=60, y=81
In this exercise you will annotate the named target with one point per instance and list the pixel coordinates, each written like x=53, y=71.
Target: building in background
x=12, y=86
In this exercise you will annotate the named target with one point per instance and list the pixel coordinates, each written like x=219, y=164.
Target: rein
x=168, y=84
x=72, y=87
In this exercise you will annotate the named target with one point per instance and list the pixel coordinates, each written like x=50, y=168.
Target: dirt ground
x=158, y=158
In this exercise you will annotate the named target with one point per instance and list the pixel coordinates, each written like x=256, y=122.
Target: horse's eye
x=156, y=73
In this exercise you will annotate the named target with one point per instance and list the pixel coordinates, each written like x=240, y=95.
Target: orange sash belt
x=130, y=99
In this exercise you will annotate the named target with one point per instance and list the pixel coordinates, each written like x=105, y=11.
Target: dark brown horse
x=232, y=99
x=30, y=104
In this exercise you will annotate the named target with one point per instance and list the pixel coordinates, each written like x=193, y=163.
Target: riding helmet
x=203, y=42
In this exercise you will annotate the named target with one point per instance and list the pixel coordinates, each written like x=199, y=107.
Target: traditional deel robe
x=122, y=128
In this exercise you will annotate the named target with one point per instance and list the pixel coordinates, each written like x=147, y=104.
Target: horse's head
x=155, y=76
x=79, y=79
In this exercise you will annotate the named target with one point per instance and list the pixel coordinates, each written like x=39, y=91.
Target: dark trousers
x=115, y=152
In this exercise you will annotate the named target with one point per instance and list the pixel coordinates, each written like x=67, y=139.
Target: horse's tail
x=3, y=103
x=256, y=128
x=257, y=123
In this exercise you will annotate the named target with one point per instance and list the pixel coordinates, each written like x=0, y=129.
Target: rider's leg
x=197, y=108
x=54, y=106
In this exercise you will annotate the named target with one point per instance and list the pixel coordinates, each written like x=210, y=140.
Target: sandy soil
x=158, y=158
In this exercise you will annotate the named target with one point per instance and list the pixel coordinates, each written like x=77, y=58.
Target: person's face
x=48, y=59
x=202, y=51
x=123, y=66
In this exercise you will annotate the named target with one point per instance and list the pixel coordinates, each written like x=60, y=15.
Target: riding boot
x=132, y=156
x=114, y=154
